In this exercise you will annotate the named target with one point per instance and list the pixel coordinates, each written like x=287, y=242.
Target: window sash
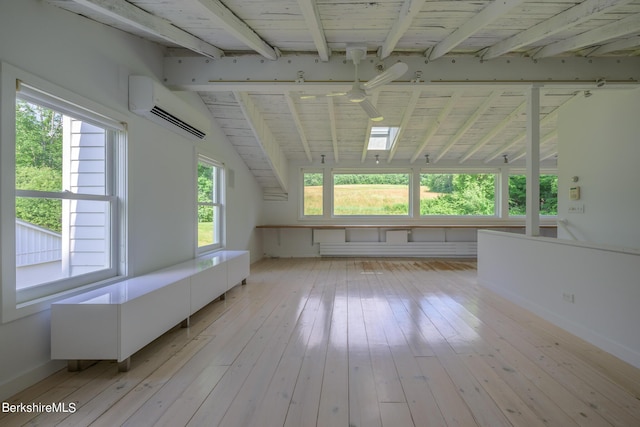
x=216, y=202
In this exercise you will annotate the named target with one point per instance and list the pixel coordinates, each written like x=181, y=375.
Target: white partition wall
x=590, y=290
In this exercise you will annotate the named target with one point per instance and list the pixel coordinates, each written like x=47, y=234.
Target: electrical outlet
x=568, y=297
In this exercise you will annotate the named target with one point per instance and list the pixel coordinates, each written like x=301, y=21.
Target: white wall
x=599, y=142
x=603, y=281
x=94, y=61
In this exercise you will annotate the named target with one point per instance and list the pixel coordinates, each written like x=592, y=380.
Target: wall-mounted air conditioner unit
x=152, y=100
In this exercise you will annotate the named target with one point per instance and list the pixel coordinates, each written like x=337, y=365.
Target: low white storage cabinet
x=116, y=321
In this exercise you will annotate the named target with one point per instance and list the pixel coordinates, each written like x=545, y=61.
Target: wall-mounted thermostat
x=574, y=193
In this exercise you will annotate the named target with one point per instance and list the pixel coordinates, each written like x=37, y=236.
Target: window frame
x=218, y=193
x=522, y=172
x=17, y=84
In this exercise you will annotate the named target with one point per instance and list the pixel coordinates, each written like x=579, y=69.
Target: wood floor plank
x=353, y=341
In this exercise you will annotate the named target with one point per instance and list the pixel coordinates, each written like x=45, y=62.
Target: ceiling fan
x=359, y=91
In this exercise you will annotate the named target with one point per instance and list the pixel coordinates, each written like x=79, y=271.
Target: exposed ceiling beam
x=467, y=125
x=578, y=14
x=549, y=154
x=409, y=10
x=314, y=25
x=252, y=72
x=296, y=120
x=129, y=14
x=442, y=116
x=332, y=125
x=272, y=150
x=235, y=26
x=365, y=148
x=493, y=132
x=621, y=28
x=408, y=113
x=486, y=16
x=623, y=44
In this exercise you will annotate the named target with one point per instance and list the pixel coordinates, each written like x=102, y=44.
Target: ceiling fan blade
x=389, y=75
x=371, y=110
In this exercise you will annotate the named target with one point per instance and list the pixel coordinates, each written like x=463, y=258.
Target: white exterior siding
x=84, y=223
x=36, y=245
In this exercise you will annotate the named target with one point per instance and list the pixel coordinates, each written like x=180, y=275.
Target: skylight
x=382, y=137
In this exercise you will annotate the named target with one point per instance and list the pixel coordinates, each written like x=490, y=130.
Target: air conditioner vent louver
x=177, y=122
x=152, y=100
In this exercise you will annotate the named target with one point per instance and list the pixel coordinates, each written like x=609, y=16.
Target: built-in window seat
x=115, y=321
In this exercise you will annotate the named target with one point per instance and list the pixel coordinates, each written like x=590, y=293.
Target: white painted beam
x=252, y=72
x=272, y=150
x=296, y=120
x=532, y=218
x=408, y=113
x=621, y=28
x=235, y=26
x=493, y=132
x=578, y=14
x=545, y=140
x=624, y=44
x=486, y=16
x=467, y=125
x=314, y=25
x=129, y=14
x=442, y=116
x=332, y=125
x=409, y=10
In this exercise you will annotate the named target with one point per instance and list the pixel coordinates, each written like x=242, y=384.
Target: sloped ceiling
x=471, y=66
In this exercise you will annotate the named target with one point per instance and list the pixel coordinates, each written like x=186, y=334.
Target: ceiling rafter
x=235, y=26
x=296, y=120
x=314, y=24
x=442, y=116
x=272, y=150
x=409, y=10
x=129, y=14
x=624, y=44
x=521, y=136
x=365, y=148
x=408, y=113
x=626, y=26
x=467, y=125
x=332, y=125
x=493, y=132
x=543, y=141
x=486, y=16
x=578, y=14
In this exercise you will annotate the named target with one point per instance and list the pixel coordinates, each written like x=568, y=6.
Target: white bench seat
x=115, y=321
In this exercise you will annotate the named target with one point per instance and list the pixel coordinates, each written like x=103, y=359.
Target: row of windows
x=390, y=194
x=69, y=196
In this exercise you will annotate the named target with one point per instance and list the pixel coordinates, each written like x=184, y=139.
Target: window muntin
x=548, y=194
x=367, y=194
x=210, y=205
x=457, y=194
x=66, y=206
x=312, y=193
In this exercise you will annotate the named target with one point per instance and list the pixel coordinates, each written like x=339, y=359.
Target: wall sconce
x=322, y=159
x=426, y=159
x=506, y=160
x=377, y=159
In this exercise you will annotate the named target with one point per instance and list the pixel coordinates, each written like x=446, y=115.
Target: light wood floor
x=353, y=342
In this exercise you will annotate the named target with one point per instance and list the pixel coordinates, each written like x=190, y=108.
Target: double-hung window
x=210, y=205
x=61, y=191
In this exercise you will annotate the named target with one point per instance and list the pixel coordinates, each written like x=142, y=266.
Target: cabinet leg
x=73, y=365
x=244, y=281
x=125, y=365
x=223, y=297
x=185, y=323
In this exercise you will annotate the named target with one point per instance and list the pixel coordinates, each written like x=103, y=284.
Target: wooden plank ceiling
x=462, y=101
